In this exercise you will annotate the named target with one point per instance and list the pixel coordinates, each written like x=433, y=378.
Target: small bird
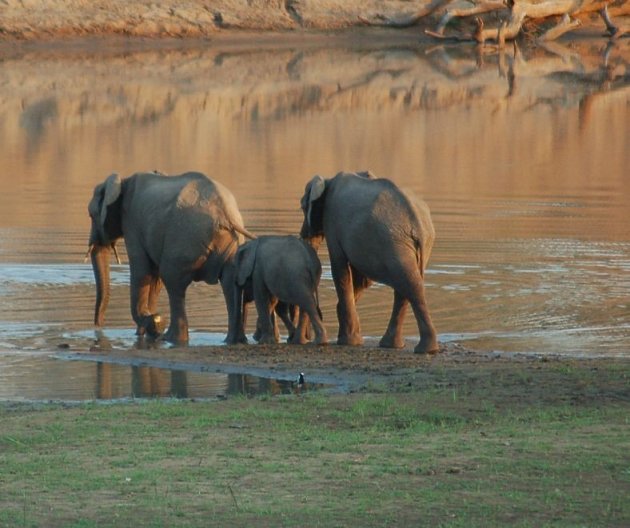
x=301, y=384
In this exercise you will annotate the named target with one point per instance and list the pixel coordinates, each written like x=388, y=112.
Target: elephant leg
x=411, y=286
x=244, y=314
x=257, y=332
x=177, y=332
x=310, y=312
x=236, y=302
x=274, y=325
x=296, y=316
x=393, y=335
x=259, y=329
x=349, y=325
x=428, y=336
x=301, y=335
x=265, y=306
x=282, y=310
x=154, y=292
x=274, y=320
x=154, y=325
x=359, y=283
x=142, y=289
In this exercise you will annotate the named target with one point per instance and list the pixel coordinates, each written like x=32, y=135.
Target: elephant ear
x=245, y=260
x=111, y=192
x=316, y=188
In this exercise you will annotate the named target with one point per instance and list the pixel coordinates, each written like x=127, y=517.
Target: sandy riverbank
x=36, y=20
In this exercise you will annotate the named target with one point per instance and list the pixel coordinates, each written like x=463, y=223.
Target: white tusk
x=89, y=252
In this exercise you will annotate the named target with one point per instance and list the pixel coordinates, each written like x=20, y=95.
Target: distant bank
x=37, y=20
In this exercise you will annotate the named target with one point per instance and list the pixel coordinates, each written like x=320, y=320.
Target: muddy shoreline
x=356, y=369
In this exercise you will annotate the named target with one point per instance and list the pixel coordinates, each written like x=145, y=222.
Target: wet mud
x=372, y=369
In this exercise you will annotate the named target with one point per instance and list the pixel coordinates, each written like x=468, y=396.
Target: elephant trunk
x=100, y=265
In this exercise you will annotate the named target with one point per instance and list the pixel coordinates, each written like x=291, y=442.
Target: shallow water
x=522, y=158
x=24, y=378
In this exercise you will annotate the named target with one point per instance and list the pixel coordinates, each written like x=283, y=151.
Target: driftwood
x=513, y=14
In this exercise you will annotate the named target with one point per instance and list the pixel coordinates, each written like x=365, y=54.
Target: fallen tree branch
x=613, y=30
x=567, y=24
x=461, y=12
x=511, y=26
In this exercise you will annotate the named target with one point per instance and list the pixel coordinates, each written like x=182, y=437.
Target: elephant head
x=312, y=204
x=105, y=212
x=245, y=260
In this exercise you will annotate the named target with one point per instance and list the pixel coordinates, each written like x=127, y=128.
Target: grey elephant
x=280, y=271
x=177, y=229
x=374, y=232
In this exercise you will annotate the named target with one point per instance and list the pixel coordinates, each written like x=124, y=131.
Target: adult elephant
x=374, y=232
x=177, y=229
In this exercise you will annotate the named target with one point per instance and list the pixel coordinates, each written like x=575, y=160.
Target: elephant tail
x=422, y=255
x=244, y=232
x=319, y=311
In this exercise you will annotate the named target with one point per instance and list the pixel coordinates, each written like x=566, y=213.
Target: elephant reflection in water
x=149, y=382
x=251, y=385
x=145, y=382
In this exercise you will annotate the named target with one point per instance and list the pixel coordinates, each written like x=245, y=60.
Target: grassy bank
x=462, y=450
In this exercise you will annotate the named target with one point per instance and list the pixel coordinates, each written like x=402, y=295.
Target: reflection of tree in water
x=35, y=117
x=611, y=75
x=559, y=63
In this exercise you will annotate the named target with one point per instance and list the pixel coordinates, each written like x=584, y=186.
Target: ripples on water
x=528, y=184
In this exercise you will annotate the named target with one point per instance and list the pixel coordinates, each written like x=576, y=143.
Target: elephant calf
x=285, y=270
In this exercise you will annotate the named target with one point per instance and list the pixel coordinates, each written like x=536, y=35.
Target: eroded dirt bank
x=31, y=19
x=61, y=19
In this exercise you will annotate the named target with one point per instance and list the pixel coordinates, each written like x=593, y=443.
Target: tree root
x=511, y=27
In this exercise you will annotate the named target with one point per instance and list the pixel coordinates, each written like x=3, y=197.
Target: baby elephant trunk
x=100, y=265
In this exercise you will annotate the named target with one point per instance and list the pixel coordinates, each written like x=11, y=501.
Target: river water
x=522, y=155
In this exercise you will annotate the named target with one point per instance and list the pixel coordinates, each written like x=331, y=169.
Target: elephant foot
x=430, y=346
x=241, y=339
x=388, y=341
x=175, y=338
x=267, y=340
x=296, y=339
x=150, y=325
x=352, y=340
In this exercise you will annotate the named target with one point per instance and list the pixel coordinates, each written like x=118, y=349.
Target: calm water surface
x=523, y=159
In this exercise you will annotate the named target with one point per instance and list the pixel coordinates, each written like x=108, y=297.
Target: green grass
x=465, y=456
